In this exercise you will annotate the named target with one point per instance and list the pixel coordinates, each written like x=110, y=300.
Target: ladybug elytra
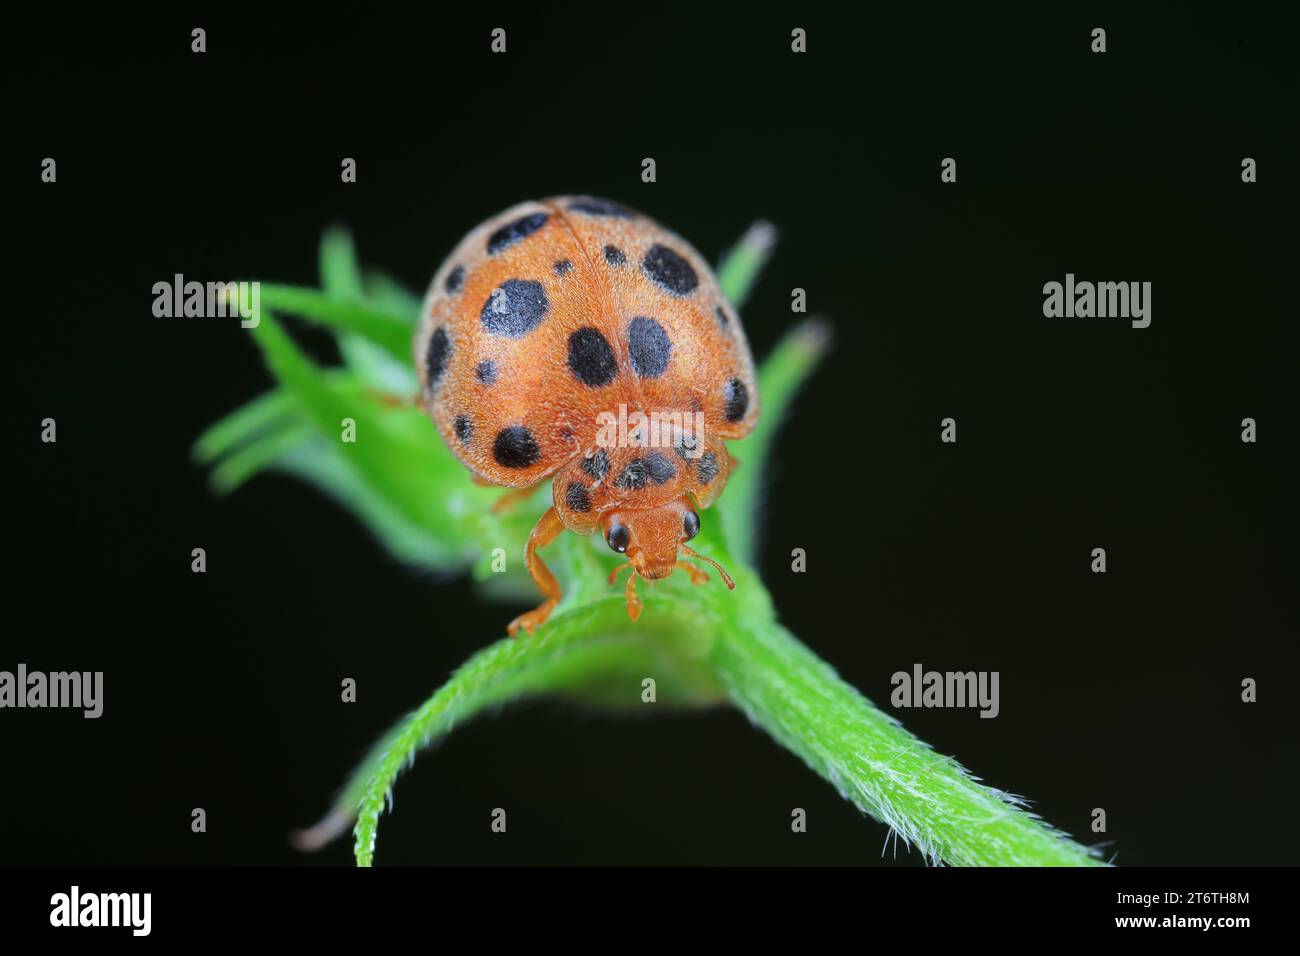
x=576, y=340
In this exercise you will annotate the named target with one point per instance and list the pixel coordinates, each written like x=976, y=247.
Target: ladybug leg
x=613, y=575
x=633, y=601
x=634, y=604
x=511, y=498
x=546, y=530
x=698, y=575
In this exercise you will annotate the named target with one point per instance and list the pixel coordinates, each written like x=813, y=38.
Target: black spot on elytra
x=464, y=428
x=721, y=313
x=670, y=271
x=515, y=447
x=486, y=371
x=614, y=256
x=512, y=232
x=707, y=468
x=577, y=498
x=639, y=472
x=597, y=466
x=634, y=476
x=601, y=207
x=591, y=360
x=435, y=359
x=648, y=347
x=562, y=266
x=660, y=468
x=737, y=400
x=515, y=308
x=688, y=447
x=455, y=279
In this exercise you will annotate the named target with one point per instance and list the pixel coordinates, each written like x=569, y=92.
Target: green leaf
x=745, y=260
x=268, y=412
x=390, y=331
x=340, y=273
x=387, y=294
x=396, y=452
x=590, y=651
x=316, y=462
x=266, y=452
x=341, y=279
x=779, y=380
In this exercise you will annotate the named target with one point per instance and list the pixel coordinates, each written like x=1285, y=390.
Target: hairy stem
x=929, y=800
x=591, y=652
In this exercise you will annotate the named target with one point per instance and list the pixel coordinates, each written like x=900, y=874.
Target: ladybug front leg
x=633, y=601
x=546, y=530
x=634, y=604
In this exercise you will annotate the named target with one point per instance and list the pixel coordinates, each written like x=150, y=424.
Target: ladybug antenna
x=726, y=578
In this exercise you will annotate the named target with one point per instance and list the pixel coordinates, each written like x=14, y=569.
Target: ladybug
x=578, y=340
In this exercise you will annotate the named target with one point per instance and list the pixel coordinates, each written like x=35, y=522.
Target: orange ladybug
x=578, y=340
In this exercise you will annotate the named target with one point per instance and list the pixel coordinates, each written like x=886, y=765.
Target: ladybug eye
x=617, y=538
x=691, y=524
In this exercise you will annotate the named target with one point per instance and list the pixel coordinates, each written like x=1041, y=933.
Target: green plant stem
x=703, y=648
x=592, y=650
x=927, y=799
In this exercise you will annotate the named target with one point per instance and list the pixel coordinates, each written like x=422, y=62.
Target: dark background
x=1119, y=691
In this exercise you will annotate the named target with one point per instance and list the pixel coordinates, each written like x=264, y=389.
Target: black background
x=1119, y=691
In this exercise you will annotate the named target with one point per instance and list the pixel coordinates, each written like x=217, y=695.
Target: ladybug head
x=651, y=538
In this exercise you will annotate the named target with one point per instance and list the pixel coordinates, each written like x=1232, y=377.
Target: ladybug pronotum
x=577, y=340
